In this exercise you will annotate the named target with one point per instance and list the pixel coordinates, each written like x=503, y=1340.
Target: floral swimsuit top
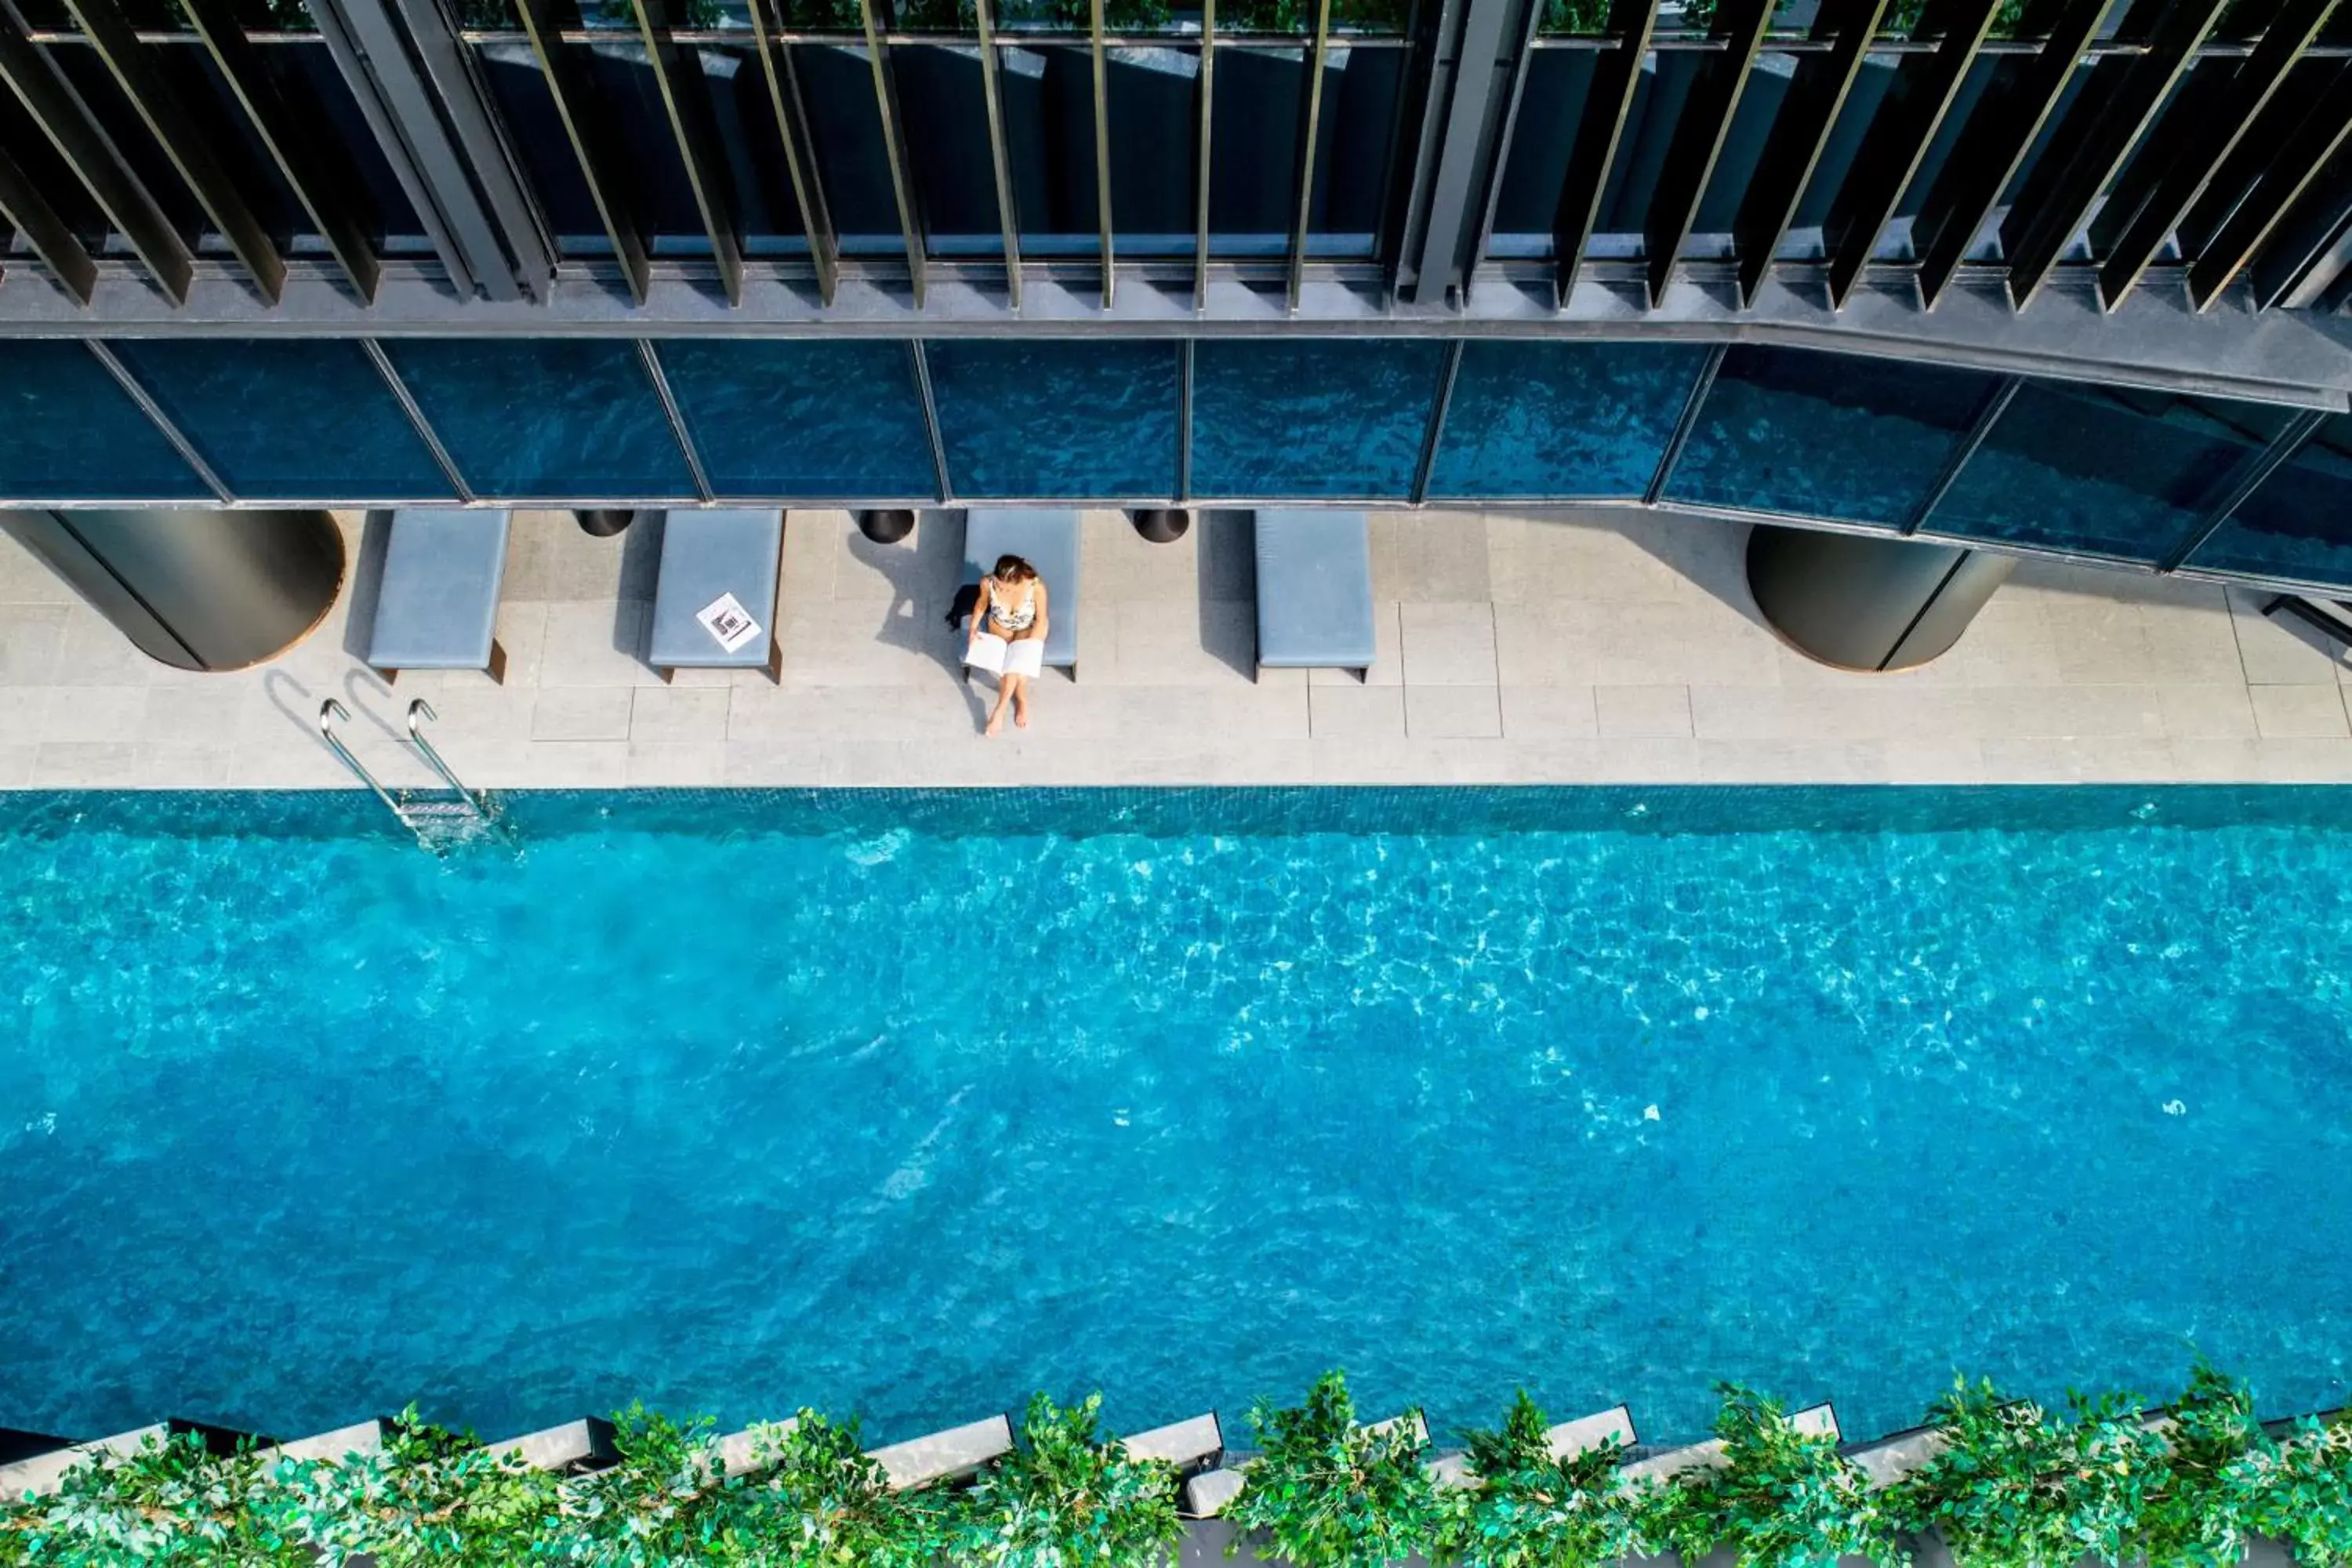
x=1011, y=618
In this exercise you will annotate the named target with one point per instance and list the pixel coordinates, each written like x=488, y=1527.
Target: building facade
x=2062, y=276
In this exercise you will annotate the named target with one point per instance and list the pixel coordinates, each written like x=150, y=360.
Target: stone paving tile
x=1575, y=646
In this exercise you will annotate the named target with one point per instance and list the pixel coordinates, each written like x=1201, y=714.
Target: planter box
x=945, y=1456
x=1820, y=1421
x=574, y=1448
x=42, y=1472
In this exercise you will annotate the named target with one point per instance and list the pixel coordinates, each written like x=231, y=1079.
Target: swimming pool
x=911, y=1103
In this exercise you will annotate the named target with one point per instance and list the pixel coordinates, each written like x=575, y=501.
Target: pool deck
x=1517, y=647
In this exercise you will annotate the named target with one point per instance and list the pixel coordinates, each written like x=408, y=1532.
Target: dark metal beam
x=1701, y=384
x=800, y=162
x=921, y=365
x=306, y=156
x=1923, y=95
x=1698, y=137
x=51, y=238
x=586, y=125
x=1310, y=129
x=687, y=99
x=1184, y=417
x=1614, y=77
x=1447, y=373
x=1513, y=92
x=1802, y=134
x=1000, y=157
x=1102, y=145
x=2000, y=133
x=676, y=417
x=93, y=157
x=2281, y=449
x=893, y=145
x=1208, y=108
x=2066, y=183
x=151, y=97
x=2310, y=251
x=1996, y=403
x=2324, y=130
x=2131, y=228
x=416, y=420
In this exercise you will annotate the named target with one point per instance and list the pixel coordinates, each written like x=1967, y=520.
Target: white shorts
x=1001, y=659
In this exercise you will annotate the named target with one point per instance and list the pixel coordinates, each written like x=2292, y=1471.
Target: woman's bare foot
x=995, y=721
x=1021, y=707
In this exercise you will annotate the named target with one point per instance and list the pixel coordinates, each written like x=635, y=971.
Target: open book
x=999, y=658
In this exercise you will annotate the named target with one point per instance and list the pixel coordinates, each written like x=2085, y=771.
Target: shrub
x=1781, y=1497
x=1329, y=1493
x=2303, y=1493
x=1531, y=1510
x=668, y=1500
x=824, y=1504
x=2201, y=1513
x=430, y=1496
x=1068, y=1496
x=170, y=1500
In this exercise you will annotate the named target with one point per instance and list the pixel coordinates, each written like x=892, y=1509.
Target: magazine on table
x=726, y=619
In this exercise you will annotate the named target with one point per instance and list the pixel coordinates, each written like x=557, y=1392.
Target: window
x=551, y=419
x=1561, y=419
x=296, y=419
x=2102, y=470
x=1827, y=436
x=69, y=432
x=836, y=420
x=1310, y=416
x=1043, y=417
x=2298, y=523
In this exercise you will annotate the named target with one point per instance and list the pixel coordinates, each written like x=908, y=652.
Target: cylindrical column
x=1862, y=603
x=200, y=590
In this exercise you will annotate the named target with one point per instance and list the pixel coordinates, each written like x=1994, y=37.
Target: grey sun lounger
x=703, y=555
x=436, y=605
x=1046, y=538
x=1315, y=591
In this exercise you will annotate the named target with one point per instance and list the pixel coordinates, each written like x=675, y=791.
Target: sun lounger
x=1315, y=591
x=705, y=554
x=436, y=605
x=1048, y=539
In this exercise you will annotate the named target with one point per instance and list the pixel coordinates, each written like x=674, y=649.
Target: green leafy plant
x=2303, y=1493
x=824, y=1504
x=1781, y=1497
x=1329, y=1493
x=429, y=1496
x=1529, y=1509
x=1069, y=1495
x=171, y=1500
x=2201, y=1512
x=2016, y=1487
x=668, y=1500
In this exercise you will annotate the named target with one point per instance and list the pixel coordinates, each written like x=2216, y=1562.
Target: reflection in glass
x=831, y=420
x=941, y=98
x=69, y=432
x=287, y=419
x=1541, y=141
x=1057, y=416
x=1341, y=417
x=545, y=417
x=1561, y=419
x=1354, y=136
x=1827, y=436
x=2102, y=470
x=1155, y=149
x=836, y=83
x=1260, y=106
x=2298, y=523
x=1049, y=139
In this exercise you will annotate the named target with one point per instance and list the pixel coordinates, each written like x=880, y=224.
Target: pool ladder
x=438, y=818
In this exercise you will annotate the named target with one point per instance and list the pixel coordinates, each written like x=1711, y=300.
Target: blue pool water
x=913, y=1104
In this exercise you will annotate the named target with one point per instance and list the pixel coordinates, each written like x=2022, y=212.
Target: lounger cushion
x=1047, y=539
x=1314, y=590
x=436, y=606
x=705, y=554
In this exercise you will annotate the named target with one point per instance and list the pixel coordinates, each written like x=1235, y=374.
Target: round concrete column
x=1862, y=603
x=201, y=590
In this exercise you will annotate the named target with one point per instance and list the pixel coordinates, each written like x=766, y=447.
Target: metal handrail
x=419, y=710
x=329, y=711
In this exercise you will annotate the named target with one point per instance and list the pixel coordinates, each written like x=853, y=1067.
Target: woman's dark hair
x=1012, y=569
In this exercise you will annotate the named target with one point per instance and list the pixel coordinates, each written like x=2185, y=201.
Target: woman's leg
x=1021, y=701
x=1006, y=685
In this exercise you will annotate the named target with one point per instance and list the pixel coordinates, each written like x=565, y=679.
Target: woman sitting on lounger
x=1008, y=635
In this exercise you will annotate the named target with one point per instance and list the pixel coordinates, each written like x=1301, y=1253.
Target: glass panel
x=845, y=133
x=1049, y=138
x=2298, y=523
x=945, y=106
x=826, y=421
x=1253, y=151
x=2102, y=470
x=1549, y=111
x=316, y=94
x=69, y=432
x=1768, y=92
x=1058, y=417
x=305, y=419
x=639, y=143
x=1664, y=89
x=1354, y=135
x=1841, y=155
x=516, y=84
x=1538, y=420
x=1155, y=149
x=1310, y=416
x=1827, y=436
x=559, y=418
x=745, y=119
